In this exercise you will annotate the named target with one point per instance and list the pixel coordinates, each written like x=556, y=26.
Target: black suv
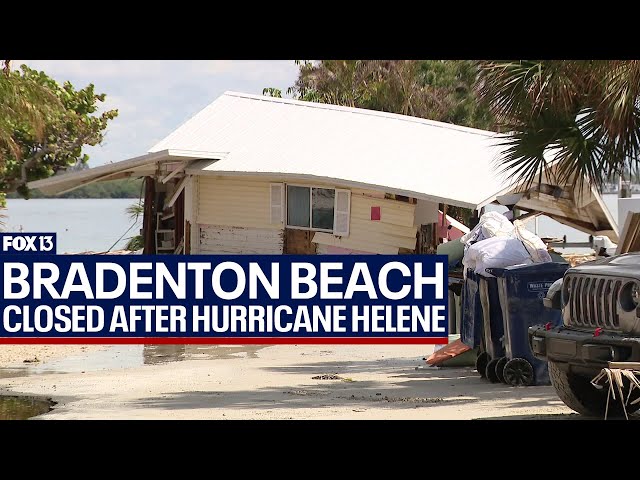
x=600, y=303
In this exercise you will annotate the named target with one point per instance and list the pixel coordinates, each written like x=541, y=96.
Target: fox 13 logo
x=27, y=243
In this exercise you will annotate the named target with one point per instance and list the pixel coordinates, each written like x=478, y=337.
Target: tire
x=578, y=394
x=481, y=363
x=502, y=361
x=518, y=372
x=490, y=373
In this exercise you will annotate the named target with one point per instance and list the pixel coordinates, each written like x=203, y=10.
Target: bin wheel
x=481, y=363
x=491, y=371
x=502, y=361
x=518, y=372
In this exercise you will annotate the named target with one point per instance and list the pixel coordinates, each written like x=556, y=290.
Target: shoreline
x=23, y=355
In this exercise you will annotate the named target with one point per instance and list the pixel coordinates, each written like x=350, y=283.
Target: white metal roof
x=133, y=167
x=402, y=154
x=242, y=134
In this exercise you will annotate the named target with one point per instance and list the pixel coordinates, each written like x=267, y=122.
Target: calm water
x=81, y=225
x=96, y=225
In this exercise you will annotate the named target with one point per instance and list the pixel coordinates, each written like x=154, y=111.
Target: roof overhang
x=141, y=166
x=580, y=208
x=584, y=210
x=202, y=168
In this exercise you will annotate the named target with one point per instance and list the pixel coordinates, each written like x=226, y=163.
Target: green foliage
x=586, y=113
x=108, y=189
x=272, y=92
x=135, y=243
x=435, y=89
x=441, y=90
x=46, y=127
x=135, y=210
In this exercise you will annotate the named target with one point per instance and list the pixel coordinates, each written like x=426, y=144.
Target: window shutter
x=342, y=211
x=277, y=202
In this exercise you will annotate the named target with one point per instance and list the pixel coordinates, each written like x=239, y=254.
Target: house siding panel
x=393, y=231
x=243, y=202
x=217, y=239
x=235, y=202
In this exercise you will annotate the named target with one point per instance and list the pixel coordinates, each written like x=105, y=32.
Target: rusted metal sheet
x=215, y=239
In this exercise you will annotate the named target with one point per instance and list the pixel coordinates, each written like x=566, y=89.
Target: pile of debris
x=497, y=243
x=574, y=259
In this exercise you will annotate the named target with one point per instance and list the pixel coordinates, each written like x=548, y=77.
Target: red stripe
x=227, y=341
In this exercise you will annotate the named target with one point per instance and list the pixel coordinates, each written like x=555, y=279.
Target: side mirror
x=553, y=299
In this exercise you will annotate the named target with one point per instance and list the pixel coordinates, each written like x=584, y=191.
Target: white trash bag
x=496, y=252
x=536, y=247
x=491, y=224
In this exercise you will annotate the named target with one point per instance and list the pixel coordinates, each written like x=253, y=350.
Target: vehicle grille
x=593, y=301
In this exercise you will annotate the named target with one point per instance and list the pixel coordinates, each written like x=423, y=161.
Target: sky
x=154, y=97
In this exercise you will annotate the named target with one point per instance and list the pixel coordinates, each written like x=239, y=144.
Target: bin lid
x=530, y=269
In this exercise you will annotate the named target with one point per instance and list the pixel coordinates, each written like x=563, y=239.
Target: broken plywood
x=630, y=236
x=298, y=242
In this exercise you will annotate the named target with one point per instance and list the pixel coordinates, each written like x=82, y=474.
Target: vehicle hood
x=626, y=265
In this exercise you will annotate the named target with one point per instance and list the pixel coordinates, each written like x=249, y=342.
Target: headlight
x=629, y=296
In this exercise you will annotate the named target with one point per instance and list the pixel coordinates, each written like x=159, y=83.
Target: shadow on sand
x=405, y=387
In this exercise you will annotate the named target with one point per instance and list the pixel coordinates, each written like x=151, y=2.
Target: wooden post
x=187, y=237
x=149, y=219
x=178, y=209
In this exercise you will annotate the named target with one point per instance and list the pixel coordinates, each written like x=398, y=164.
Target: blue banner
x=196, y=298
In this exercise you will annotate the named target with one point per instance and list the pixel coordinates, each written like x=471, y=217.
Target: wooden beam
x=175, y=172
x=630, y=234
x=529, y=215
x=176, y=194
x=149, y=218
x=577, y=224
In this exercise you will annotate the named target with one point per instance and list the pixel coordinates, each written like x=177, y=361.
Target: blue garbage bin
x=493, y=328
x=471, y=322
x=521, y=289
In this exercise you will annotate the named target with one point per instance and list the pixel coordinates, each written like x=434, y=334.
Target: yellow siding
x=395, y=229
x=245, y=202
x=235, y=202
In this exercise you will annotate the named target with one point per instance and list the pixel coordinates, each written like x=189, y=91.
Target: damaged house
x=259, y=175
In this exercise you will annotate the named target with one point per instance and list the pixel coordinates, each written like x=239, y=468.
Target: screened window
x=309, y=207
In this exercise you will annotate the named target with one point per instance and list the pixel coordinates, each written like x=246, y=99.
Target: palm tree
x=135, y=211
x=582, y=116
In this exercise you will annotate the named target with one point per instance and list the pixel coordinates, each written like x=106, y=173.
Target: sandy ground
x=23, y=354
x=376, y=382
